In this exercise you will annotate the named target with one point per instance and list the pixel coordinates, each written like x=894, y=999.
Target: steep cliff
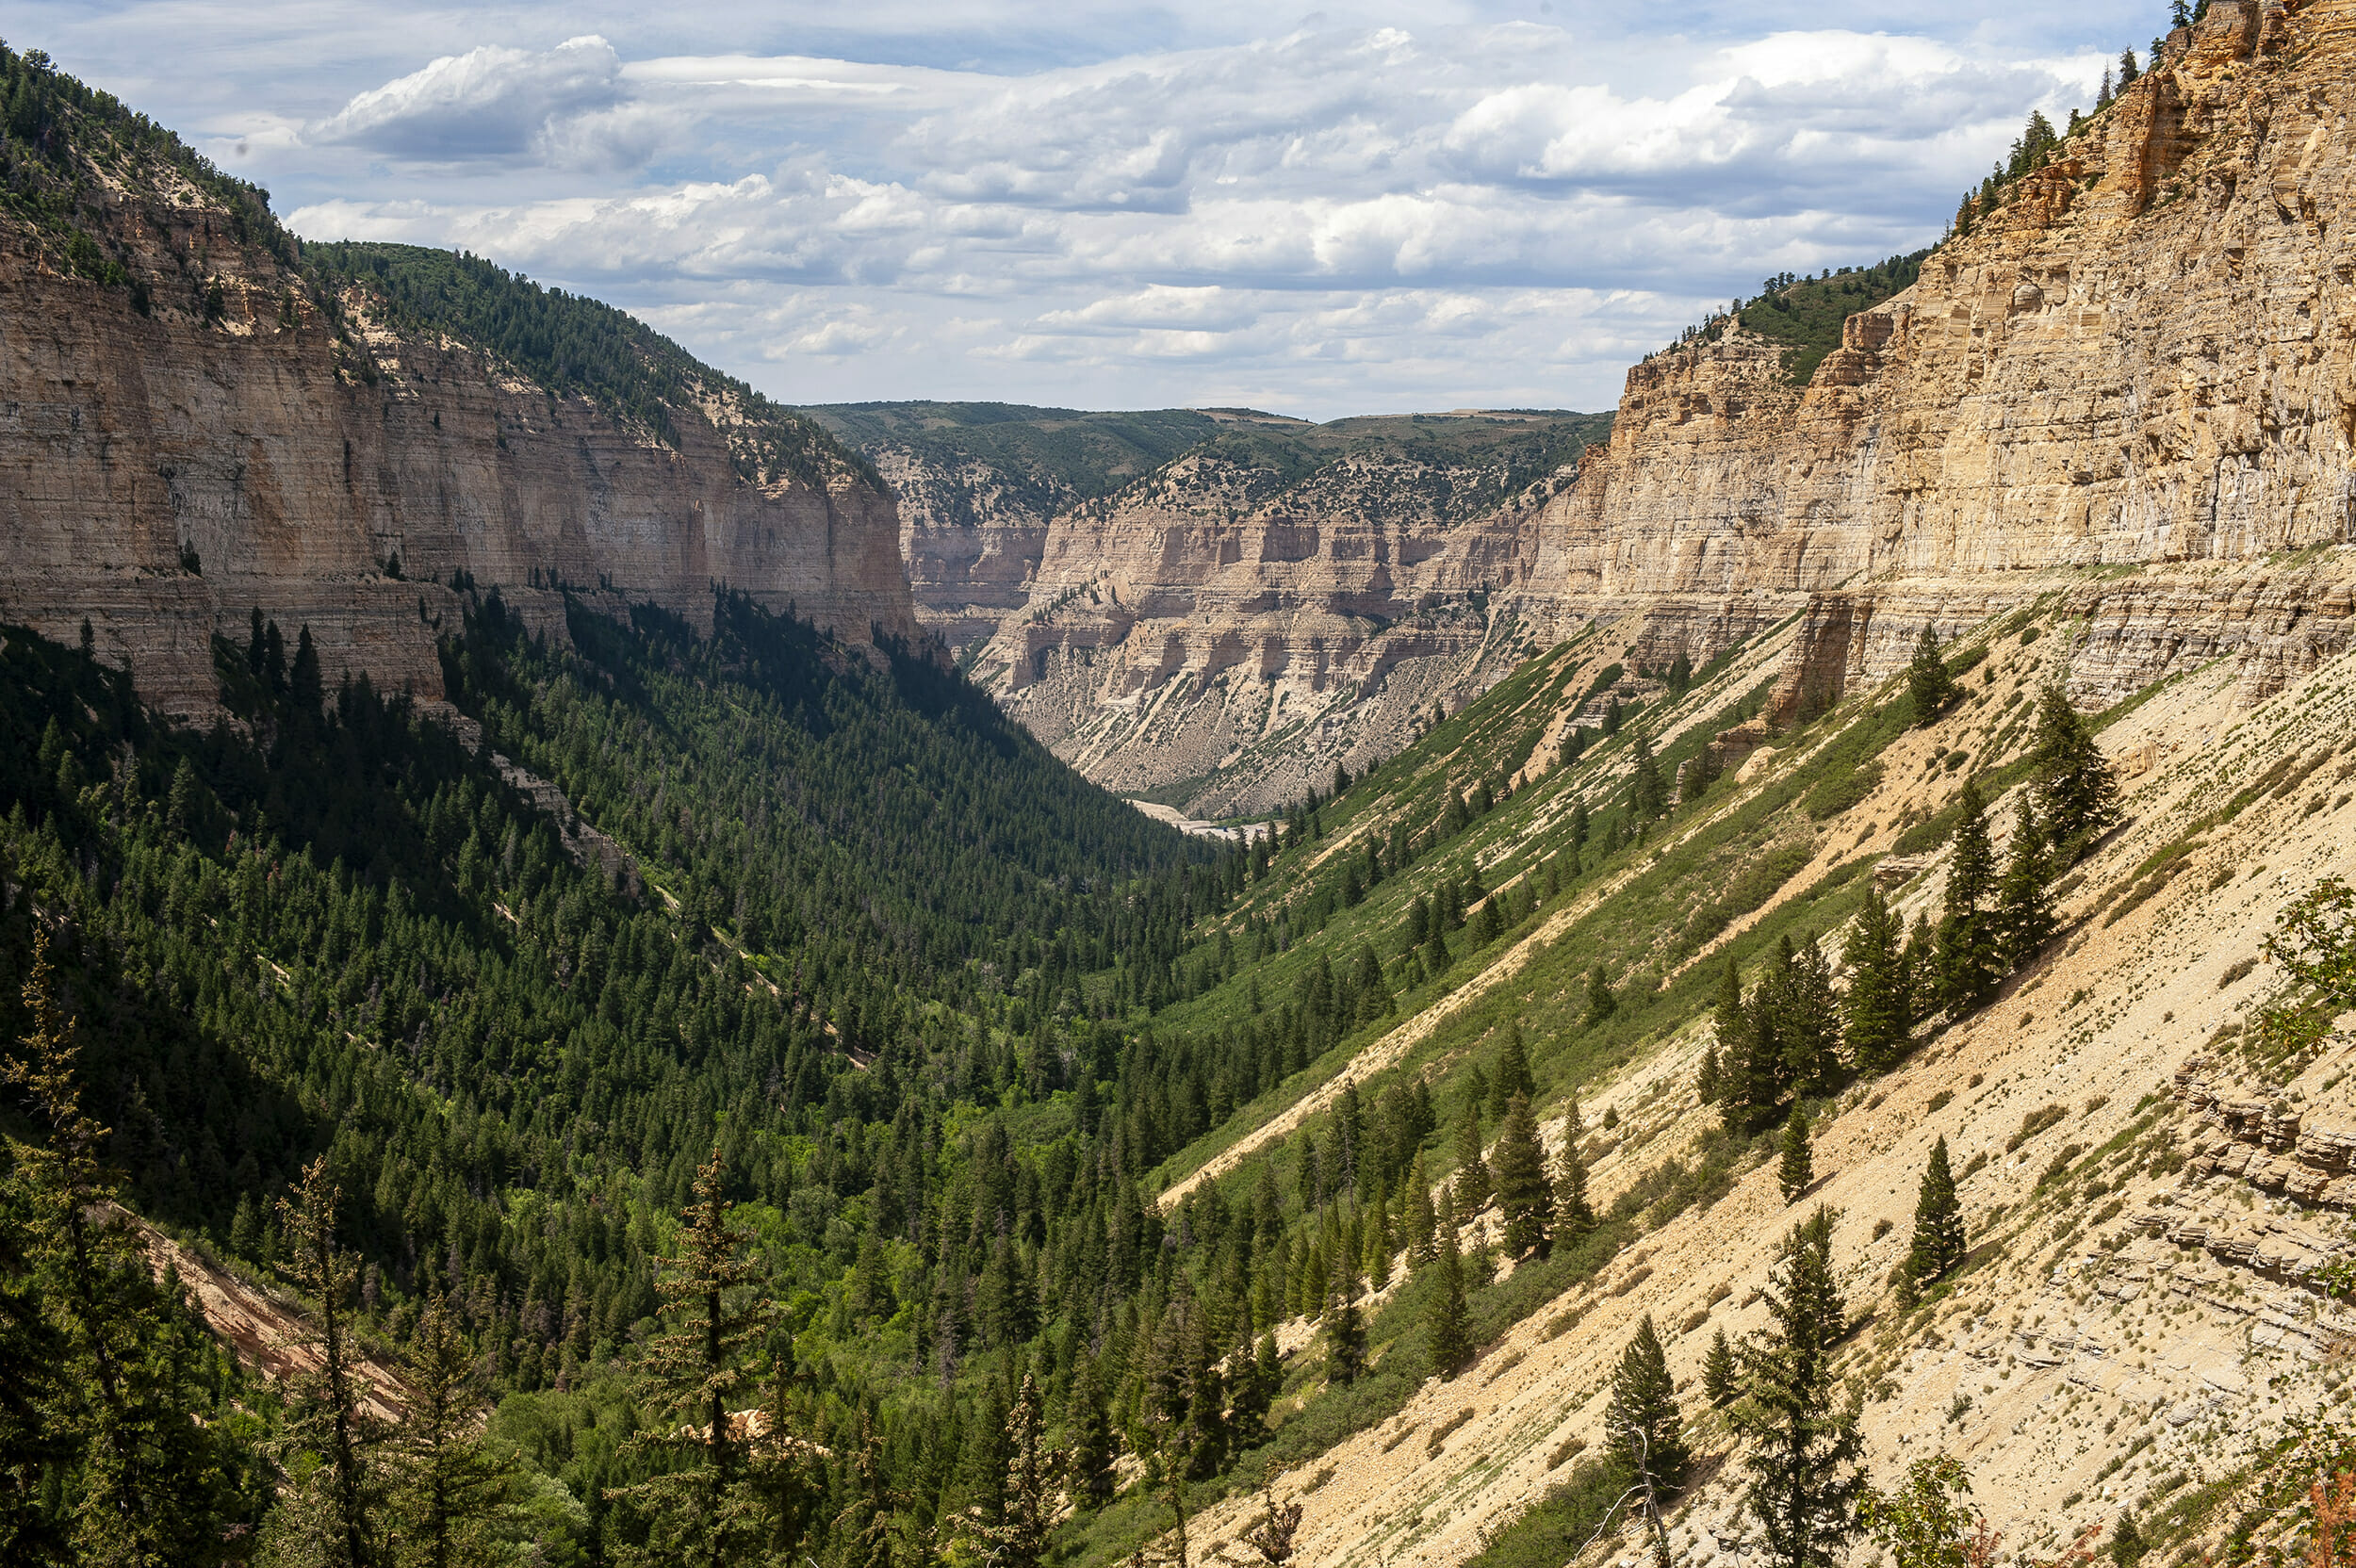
x=2143, y=361
x=193, y=424
x=1279, y=598
x=979, y=483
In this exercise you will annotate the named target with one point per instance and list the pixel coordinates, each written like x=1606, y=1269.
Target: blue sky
x=1322, y=211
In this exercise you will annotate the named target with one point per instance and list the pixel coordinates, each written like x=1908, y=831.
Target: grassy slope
x=1806, y=315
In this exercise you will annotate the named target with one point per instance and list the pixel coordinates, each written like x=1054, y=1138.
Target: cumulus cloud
x=1378, y=214
x=563, y=105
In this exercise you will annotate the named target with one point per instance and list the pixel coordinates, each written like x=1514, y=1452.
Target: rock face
x=166, y=471
x=1229, y=627
x=2146, y=358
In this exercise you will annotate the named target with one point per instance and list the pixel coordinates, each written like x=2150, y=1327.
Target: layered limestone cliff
x=2143, y=362
x=208, y=435
x=1228, y=629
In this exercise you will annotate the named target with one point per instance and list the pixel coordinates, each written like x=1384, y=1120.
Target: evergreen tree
x=1512, y=1074
x=1797, y=1170
x=1878, y=1004
x=338, y=1520
x=1719, y=1380
x=1765, y=1074
x=1574, y=1216
x=1967, y=939
x=864, y=1525
x=1921, y=963
x=1806, y=1448
x=2077, y=793
x=1648, y=797
x=1019, y=1539
x=2023, y=917
x=2128, y=69
x=1345, y=1331
x=1708, y=1081
x=450, y=1490
x=1808, y=1023
x=1521, y=1178
x=701, y=1512
x=1929, y=687
x=1089, y=1448
x=1472, y=1189
x=1421, y=1222
x=1642, y=1423
x=1939, y=1240
x=1448, y=1332
x=1601, y=1002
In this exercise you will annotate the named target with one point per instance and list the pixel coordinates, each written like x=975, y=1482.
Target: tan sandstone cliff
x=163, y=472
x=2146, y=355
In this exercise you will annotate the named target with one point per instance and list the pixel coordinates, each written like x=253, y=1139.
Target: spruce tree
x=1601, y=1002
x=864, y=1526
x=2023, y=918
x=1089, y=1448
x=1345, y=1331
x=1421, y=1222
x=1708, y=1081
x=1939, y=1240
x=1512, y=1075
x=1648, y=797
x=1808, y=1026
x=1806, y=1445
x=1642, y=1423
x=1877, y=1005
x=1720, y=1379
x=1929, y=687
x=1968, y=974
x=1472, y=1189
x=1797, y=1170
x=1019, y=1539
x=1574, y=1216
x=450, y=1490
x=1449, y=1329
x=1521, y=1178
x=2077, y=793
x=327, y=1416
x=701, y=1511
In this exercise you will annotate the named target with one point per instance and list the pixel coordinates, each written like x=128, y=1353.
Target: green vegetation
x=1805, y=314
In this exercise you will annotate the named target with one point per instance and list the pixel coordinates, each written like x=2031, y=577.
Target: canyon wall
x=164, y=470
x=2134, y=383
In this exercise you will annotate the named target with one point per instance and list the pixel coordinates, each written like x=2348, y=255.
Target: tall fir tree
x=1089, y=1447
x=1345, y=1331
x=1422, y=1222
x=1795, y=1169
x=1019, y=1539
x=1938, y=1237
x=1968, y=972
x=1806, y=1447
x=1878, y=1004
x=866, y=1525
x=1930, y=688
x=2077, y=792
x=1574, y=1215
x=1721, y=1380
x=1523, y=1190
x=1473, y=1187
x=1642, y=1424
x=1649, y=795
x=2023, y=917
x=1512, y=1074
x=1448, y=1329
x=701, y=1511
x=450, y=1490
x=1601, y=1000
x=334, y=1513
x=1807, y=1021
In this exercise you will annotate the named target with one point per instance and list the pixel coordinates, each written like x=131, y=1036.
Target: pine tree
x=1878, y=1004
x=1521, y=1178
x=1719, y=1380
x=2077, y=793
x=701, y=1512
x=1019, y=1539
x=1808, y=1024
x=1764, y=1076
x=1939, y=1240
x=1421, y=1222
x=1449, y=1333
x=1089, y=1448
x=1648, y=797
x=864, y=1525
x=1805, y=1447
x=1472, y=1188
x=1929, y=687
x=449, y=1490
x=327, y=1415
x=1512, y=1074
x=1796, y=1171
x=1601, y=1002
x=1967, y=943
x=1642, y=1424
x=2023, y=918
x=1345, y=1331
x=2128, y=69
x=1574, y=1216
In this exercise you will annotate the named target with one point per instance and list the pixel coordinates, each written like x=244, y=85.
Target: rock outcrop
x=2144, y=359
x=245, y=441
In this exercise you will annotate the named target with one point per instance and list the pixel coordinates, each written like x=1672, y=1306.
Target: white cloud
x=563, y=105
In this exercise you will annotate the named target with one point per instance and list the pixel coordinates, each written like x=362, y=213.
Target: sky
x=1378, y=208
